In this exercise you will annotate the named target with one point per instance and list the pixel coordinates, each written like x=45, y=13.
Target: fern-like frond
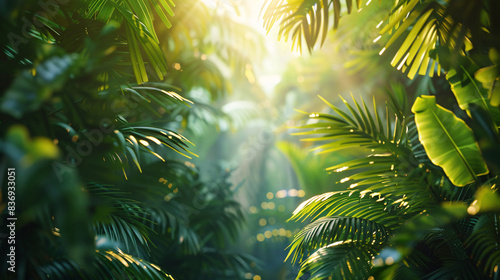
x=172, y=224
x=161, y=94
x=138, y=17
x=146, y=136
x=304, y=20
x=432, y=231
x=162, y=188
x=120, y=219
x=132, y=139
x=389, y=170
x=341, y=260
x=483, y=244
x=359, y=129
x=116, y=264
x=107, y=265
x=328, y=230
x=350, y=204
x=60, y=269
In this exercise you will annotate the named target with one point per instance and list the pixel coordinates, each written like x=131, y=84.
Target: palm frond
x=363, y=129
x=206, y=52
x=432, y=227
x=132, y=139
x=350, y=204
x=431, y=26
x=107, y=265
x=389, y=170
x=60, y=269
x=119, y=219
x=483, y=244
x=112, y=264
x=161, y=94
x=141, y=35
x=304, y=20
x=160, y=188
x=328, y=230
x=341, y=260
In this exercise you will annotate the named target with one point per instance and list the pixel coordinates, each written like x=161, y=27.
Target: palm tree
x=421, y=202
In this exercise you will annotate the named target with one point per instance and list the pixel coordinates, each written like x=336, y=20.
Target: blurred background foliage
x=152, y=139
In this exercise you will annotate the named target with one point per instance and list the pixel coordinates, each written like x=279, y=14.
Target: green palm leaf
x=341, y=260
x=448, y=141
x=389, y=170
x=361, y=129
x=134, y=138
x=60, y=269
x=107, y=265
x=427, y=24
x=141, y=37
x=147, y=93
x=138, y=35
x=431, y=24
x=328, y=230
x=119, y=218
x=348, y=203
x=308, y=20
x=113, y=264
x=483, y=244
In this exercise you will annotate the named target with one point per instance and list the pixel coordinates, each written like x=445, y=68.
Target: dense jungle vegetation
x=275, y=139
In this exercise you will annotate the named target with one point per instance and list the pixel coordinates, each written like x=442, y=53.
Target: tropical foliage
x=421, y=200
x=91, y=110
x=108, y=110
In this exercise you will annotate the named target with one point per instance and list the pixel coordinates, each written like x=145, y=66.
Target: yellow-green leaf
x=448, y=141
x=467, y=90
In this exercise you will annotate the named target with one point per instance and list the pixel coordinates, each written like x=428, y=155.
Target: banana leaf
x=448, y=141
